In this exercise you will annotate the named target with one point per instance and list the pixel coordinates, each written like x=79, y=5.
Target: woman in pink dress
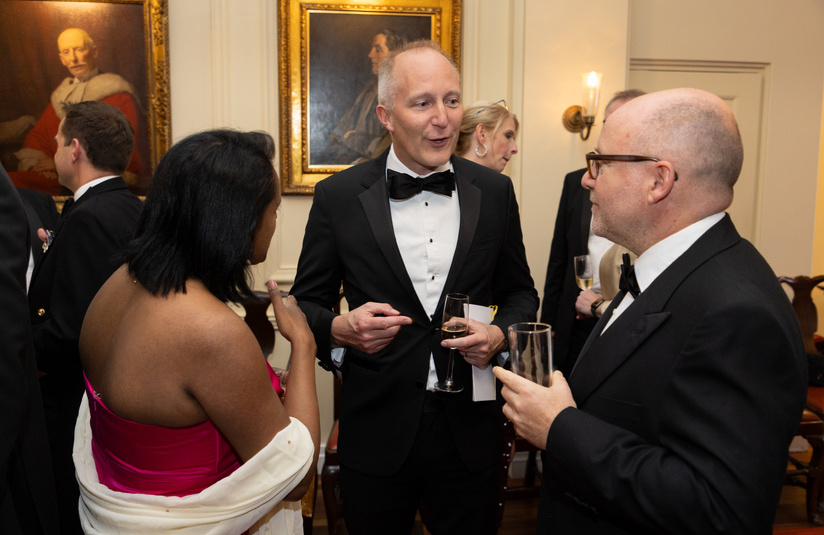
x=182, y=427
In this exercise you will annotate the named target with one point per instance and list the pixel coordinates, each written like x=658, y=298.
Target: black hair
x=206, y=200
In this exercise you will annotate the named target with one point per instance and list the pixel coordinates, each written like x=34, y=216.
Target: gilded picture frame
x=131, y=41
x=325, y=67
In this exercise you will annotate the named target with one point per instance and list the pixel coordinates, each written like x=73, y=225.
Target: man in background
x=94, y=143
x=400, y=232
x=27, y=498
x=41, y=213
x=78, y=53
x=678, y=415
x=573, y=236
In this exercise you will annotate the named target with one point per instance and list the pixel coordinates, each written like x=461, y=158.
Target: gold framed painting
x=328, y=54
x=120, y=50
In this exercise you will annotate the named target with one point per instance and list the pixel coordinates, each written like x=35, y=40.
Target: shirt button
x=41, y=312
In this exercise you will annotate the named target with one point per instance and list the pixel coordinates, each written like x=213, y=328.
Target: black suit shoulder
x=42, y=203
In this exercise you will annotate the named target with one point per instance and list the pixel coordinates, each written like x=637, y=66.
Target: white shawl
x=250, y=498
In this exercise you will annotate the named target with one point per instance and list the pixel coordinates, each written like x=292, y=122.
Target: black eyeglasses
x=501, y=102
x=594, y=161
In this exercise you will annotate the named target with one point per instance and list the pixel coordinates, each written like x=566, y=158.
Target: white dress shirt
x=426, y=231
x=90, y=184
x=657, y=258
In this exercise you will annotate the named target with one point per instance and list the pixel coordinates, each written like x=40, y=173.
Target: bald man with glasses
x=678, y=415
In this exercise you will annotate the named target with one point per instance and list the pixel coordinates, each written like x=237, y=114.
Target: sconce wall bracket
x=575, y=121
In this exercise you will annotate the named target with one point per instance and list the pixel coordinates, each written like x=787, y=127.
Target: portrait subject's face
x=378, y=51
x=427, y=112
x=75, y=52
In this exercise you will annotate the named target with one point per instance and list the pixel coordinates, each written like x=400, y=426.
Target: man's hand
x=584, y=303
x=532, y=407
x=368, y=328
x=481, y=342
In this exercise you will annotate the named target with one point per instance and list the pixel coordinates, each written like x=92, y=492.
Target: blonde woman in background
x=488, y=132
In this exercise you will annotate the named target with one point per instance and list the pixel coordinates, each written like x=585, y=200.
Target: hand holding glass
x=583, y=272
x=454, y=326
x=530, y=351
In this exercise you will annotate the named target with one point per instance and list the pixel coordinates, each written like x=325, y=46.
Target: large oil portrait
x=57, y=51
x=329, y=52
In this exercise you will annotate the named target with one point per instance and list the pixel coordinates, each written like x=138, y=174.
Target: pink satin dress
x=148, y=459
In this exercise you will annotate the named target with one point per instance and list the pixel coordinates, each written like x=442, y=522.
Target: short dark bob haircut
x=203, y=207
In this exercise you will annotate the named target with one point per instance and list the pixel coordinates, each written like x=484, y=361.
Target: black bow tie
x=403, y=186
x=628, y=281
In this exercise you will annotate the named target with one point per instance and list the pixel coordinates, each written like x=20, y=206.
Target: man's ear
x=385, y=117
x=664, y=179
x=77, y=150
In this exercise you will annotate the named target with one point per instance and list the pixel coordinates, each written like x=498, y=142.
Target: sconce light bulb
x=592, y=86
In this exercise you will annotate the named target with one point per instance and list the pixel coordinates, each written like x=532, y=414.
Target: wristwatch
x=594, y=306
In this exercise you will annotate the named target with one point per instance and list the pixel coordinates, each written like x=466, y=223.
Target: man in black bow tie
x=680, y=410
x=94, y=144
x=399, y=244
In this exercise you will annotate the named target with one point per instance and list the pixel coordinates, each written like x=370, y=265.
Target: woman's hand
x=290, y=319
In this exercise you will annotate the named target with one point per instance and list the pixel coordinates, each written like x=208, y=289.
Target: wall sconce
x=580, y=119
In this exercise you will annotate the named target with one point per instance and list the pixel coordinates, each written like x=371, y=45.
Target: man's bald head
x=691, y=127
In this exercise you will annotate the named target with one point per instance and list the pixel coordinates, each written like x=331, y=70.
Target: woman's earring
x=477, y=153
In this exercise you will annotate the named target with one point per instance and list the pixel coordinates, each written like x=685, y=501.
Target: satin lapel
x=375, y=202
x=603, y=354
x=586, y=218
x=469, y=199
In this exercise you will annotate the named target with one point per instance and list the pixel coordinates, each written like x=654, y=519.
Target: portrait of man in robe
x=59, y=52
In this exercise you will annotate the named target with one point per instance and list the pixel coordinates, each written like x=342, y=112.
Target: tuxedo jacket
x=350, y=239
x=87, y=239
x=686, y=405
x=27, y=496
x=560, y=290
x=41, y=213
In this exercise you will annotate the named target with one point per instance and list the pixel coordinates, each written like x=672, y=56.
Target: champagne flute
x=583, y=272
x=454, y=326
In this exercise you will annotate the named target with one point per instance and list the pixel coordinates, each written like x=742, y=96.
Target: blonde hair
x=490, y=114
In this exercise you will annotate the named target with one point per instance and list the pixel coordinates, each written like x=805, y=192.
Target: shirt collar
x=393, y=163
x=86, y=77
x=657, y=258
x=92, y=183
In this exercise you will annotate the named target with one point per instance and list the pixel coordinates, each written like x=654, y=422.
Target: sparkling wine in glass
x=453, y=326
x=583, y=272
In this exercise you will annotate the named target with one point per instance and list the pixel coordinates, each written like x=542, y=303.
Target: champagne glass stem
x=449, y=364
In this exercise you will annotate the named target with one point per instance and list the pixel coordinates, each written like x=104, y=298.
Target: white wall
x=788, y=37
x=532, y=52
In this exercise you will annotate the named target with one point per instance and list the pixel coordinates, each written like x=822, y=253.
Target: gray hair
x=388, y=82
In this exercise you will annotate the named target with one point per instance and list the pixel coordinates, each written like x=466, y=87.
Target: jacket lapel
x=604, y=352
x=585, y=219
x=469, y=199
x=375, y=202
